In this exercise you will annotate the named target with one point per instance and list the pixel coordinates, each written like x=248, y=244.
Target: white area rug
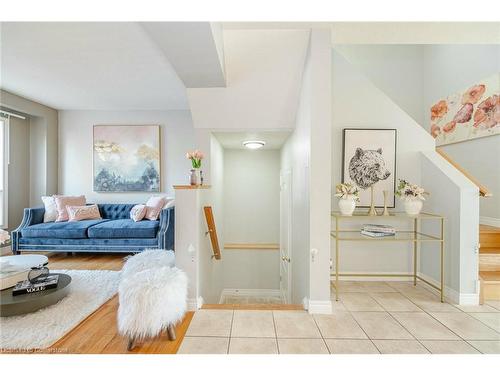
x=39, y=330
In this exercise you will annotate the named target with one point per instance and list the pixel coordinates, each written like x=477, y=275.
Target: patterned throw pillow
x=77, y=213
x=50, y=213
x=153, y=207
x=138, y=212
x=63, y=201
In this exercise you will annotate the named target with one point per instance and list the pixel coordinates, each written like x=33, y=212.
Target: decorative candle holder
x=386, y=211
x=372, y=211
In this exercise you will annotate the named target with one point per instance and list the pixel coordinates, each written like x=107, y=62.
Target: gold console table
x=414, y=236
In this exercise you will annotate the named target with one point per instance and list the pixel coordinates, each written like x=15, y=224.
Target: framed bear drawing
x=369, y=159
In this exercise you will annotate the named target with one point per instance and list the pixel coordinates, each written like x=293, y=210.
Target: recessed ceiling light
x=254, y=145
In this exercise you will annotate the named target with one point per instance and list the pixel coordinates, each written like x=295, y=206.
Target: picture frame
x=369, y=155
x=126, y=158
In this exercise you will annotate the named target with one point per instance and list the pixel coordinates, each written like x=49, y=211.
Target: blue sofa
x=115, y=232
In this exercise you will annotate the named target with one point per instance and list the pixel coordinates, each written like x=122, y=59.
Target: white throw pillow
x=138, y=212
x=50, y=209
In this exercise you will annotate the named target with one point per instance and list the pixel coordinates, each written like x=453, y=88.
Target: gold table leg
x=415, y=252
x=442, y=260
x=336, y=259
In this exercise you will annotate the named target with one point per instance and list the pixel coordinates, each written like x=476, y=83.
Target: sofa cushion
x=124, y=228
x=62, y=229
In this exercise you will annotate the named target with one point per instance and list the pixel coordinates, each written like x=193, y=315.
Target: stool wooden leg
x=130, y=344
x=171, y=332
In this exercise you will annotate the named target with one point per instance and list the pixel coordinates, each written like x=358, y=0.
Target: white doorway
x=285, y=234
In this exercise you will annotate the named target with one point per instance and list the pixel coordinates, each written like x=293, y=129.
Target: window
x=4, y=162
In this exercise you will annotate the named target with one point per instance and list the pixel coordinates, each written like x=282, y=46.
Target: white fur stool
x=152, y=295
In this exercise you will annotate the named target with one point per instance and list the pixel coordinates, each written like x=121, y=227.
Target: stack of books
x=374, y=230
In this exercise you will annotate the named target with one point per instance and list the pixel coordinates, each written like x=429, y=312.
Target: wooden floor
x=98, y=332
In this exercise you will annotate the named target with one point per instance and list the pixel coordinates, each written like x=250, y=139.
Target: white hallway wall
x=251, y=215
x=76, y=151
x=307, y=155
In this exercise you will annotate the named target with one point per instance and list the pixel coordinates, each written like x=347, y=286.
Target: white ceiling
x=234, y=140
x=391, y=32
x=88, y=66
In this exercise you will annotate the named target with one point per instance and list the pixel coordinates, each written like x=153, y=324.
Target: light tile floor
x=371, y=317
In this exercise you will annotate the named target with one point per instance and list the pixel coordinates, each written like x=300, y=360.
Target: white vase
x=413, y=206
x=347, y=206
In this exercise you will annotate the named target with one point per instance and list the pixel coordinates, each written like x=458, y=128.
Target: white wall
x=251, y=215
x=75, y=150
x=295, y=157
x=457, y=199
x=448, y=69
x=358, y=103
x=395, y=69
x=320, y=170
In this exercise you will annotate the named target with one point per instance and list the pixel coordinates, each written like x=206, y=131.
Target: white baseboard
x=227, y=292
x=194, y=304
x=451, y=295
x=319, y=306
x=492, y=221
x=372, y=278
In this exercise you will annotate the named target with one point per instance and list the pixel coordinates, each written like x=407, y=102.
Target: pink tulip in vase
x=196, y=157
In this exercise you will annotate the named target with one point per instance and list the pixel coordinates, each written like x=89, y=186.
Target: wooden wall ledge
x=251, y=246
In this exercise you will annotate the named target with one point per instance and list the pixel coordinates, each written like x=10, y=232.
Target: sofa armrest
x=31, y=216
x=166, y=232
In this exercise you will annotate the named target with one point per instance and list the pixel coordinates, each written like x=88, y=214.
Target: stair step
x=489, y=237
x=488, y=229
x=490, y=277
x=490, y=285
x=489, y=262
x=489, y=250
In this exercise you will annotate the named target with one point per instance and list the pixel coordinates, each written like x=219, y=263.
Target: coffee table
x=26, y=303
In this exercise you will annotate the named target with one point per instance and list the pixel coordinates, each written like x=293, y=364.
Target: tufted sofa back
x=115, y=211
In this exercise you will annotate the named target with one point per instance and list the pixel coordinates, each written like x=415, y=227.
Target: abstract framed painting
x=473, y=112
x=369, y=159
x=126, y=158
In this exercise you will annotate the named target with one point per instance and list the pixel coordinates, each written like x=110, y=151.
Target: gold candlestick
x=386, y=211
x=372, y=211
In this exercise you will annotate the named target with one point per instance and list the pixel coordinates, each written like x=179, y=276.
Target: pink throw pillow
x=138, y=212
x=63, y=201
x=77, y=213
x=153, y=207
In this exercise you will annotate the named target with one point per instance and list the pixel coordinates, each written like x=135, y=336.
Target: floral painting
x=126, y=158
x=471, y=113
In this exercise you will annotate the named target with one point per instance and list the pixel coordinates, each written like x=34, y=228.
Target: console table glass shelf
x=410, y=236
